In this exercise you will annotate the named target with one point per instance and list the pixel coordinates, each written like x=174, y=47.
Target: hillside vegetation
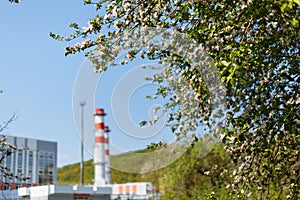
x=70, y=174
x=188, y=176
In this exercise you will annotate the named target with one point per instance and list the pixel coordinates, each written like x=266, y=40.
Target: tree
x=190, y=177
x=255, y=46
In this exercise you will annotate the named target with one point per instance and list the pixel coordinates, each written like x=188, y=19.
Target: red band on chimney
x=99, y=125
x=99, y=112
x=100, y=139
x=106, y=140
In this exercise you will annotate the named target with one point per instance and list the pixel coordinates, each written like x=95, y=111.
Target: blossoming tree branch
x=255, y=47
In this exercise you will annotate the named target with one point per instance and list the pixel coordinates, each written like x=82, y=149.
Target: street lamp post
x=82, y=104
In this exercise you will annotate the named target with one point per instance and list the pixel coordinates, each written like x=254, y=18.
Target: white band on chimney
x=99, y=148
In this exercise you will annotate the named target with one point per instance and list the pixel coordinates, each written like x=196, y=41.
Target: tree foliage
x=191, y=177
x=255, y=46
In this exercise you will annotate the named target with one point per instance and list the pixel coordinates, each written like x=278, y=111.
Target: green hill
x=192, y=174
x=70, y=174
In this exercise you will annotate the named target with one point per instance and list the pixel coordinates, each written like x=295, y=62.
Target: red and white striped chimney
x=106, y=157
x=99, y=149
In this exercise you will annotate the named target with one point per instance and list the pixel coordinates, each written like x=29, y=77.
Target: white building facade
x=53, y=192
x=135, y=191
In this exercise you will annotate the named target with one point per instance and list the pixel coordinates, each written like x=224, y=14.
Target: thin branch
x=6, y=124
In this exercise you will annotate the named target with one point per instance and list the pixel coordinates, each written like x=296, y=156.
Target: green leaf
x=143, y=123
x=225, y=63
x=87, y=1
x=297, y=2
x=74, y=25
x=283, y=7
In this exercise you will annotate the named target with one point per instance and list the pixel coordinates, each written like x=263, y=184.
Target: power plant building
x=37, y=159
x=33, y=158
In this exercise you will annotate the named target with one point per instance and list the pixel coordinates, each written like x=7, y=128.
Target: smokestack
x=99, y=151
x=107, y=157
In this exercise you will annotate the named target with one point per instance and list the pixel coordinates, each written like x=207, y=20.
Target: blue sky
x=38, y=80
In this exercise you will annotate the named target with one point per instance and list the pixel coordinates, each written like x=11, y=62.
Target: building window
x=8, y=161
x=50, y=171
x=19, y=185
x=7, y=186
x=30, y=162
x=41, y=170
x=46, y=166
x=50, y=179
x=20, y=161
x=41, y=155
x=41, y=180
x=50, y=156
x=30, y=158
x=8, y=169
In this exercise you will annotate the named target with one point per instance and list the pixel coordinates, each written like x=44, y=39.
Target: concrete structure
x=33, y=158
x=99, y=162
x=137, y=190
x=52, y=192
x=107, y=155
x=101, y=150
x=38, y=159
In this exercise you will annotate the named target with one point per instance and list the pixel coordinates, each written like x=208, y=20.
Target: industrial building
x=53, y=192
x=33, y=158
x=38, y=160
x=136, y=190
x=101, y=150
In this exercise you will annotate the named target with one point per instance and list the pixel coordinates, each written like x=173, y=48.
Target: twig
x=5, y=124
